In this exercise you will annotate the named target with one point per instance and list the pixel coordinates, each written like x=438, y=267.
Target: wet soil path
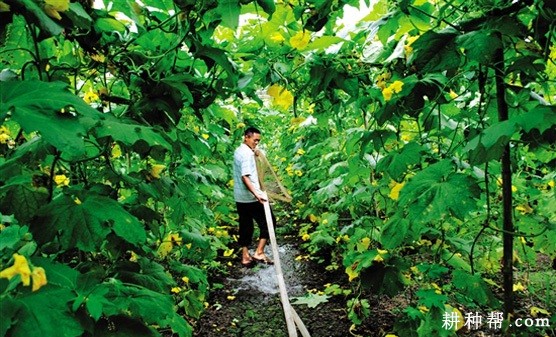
x=248, y=304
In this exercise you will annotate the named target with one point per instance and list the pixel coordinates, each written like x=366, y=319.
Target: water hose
x=292, y=318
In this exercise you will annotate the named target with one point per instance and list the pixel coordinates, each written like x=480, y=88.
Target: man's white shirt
x=245, y=165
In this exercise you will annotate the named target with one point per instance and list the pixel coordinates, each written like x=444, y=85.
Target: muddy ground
x=248, y=303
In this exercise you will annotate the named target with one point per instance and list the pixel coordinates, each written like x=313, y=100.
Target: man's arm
x=251, y=188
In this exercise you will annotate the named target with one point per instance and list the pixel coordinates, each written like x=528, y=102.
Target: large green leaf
x=474, y=287
x=46, y=313
x=480, y=46
x=148, y=306
x=146, y=273
x=229, y=10
x=435, y=51
x=438, y=191
x=395, y=232
x=84, y=224
x=490, y=144
x=397, y=163
x=45, y=22
x=38, y=106
x=129, y=133
x=268, y=6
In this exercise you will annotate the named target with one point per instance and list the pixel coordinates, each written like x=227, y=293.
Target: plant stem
x=507, y=259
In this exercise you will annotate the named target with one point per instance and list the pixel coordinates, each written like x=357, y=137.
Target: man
x=249, y=199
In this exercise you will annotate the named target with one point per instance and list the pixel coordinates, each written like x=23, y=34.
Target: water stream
x=262, y=278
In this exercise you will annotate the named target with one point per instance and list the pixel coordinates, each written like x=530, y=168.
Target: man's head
x=252, y=137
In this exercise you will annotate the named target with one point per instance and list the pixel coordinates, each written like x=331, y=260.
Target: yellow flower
x=365, y=242
x=387, y=93
x=352, y=273
x=116, y=151
x=228, y=252
x=313, y=218
x=524, y=209
x=298, y=173
x=305, y=237
x=98, y=57
x=133, y=257
x=156, y=170
x=535, y=311
x=277, y=37
x=185, y=279
x=20, y=267
x=240, y=125
x=176, y=290
x=396, y=86
x=61, y=179
x=205, y=136
x=551, y=183
x=90, y=96
x=281, y=96
x=53, y=7
x=300, y=40
x=77, y=201
x=4, y=138
x=393, y=88
x=518, y=287
x=395, y=191
x=165, y=248
x=174, y=238
x=378, y=258
x=39, y=278
x=453, y=94
x=231, y=298
x=300, y=152
x=408, y=42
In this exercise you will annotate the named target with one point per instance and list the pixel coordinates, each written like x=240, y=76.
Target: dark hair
x=251, y=130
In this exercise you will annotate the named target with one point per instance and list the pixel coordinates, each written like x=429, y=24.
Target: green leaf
x=84, y=224
x=9, y=309
x=323, y=42
x=435, y=51
x=438, y=191
x=490, y=143
x=21, y=198
x=542, y=118
x=78, y=16
x=473, y=286
x=46, y=313
x=45, y=22
x=268, y=6
x=109, y=25
x=57, y=273
x=430, y=299
x=129, y=133
x=148, y=306
x=311, y=300
x=480, y=46
x=229, y=10
x=36, y=106
x=395, y=232
x=397, y=163
x=11, y=236
x=148, y=274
